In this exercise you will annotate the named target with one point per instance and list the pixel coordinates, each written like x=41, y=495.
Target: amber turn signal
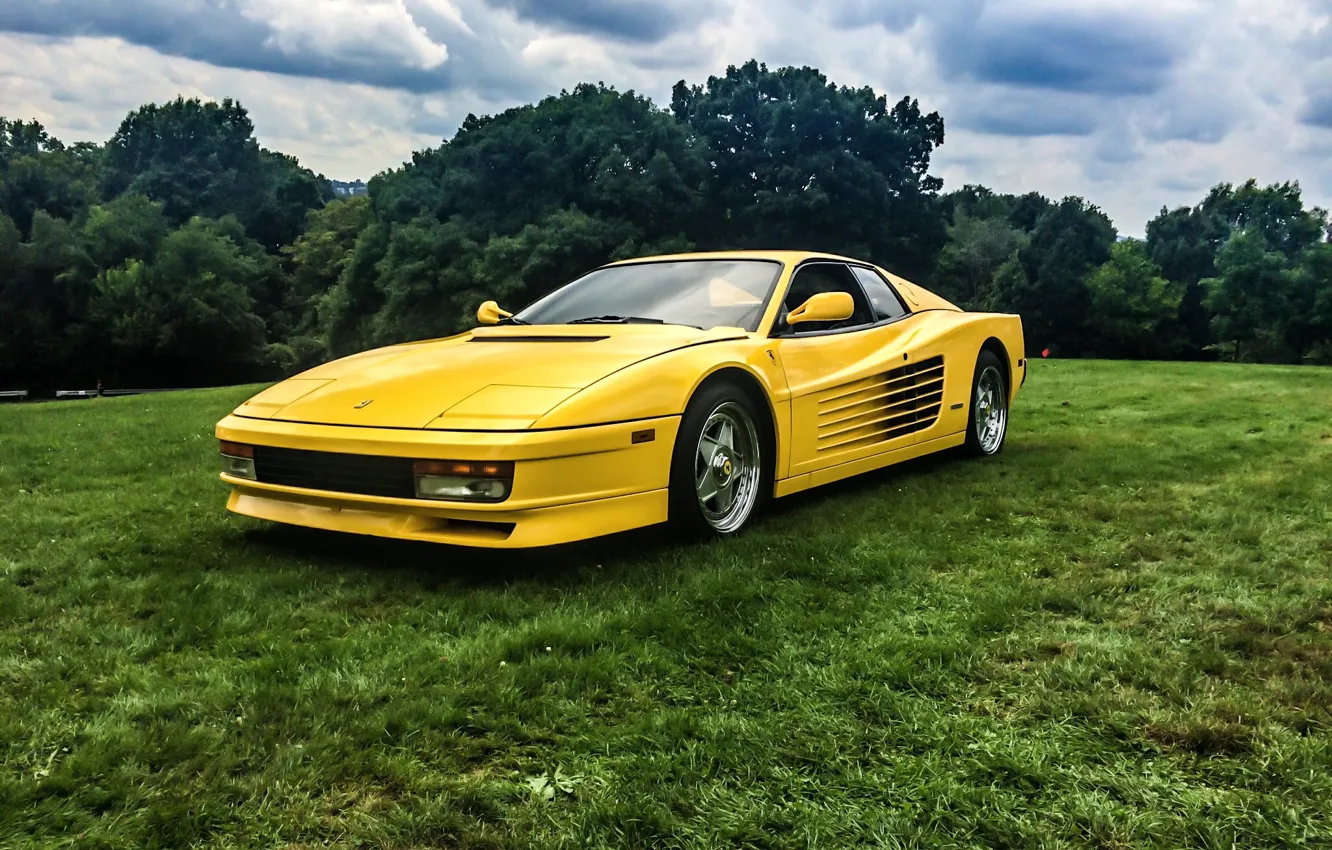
x=237, y=449
x=488, y=469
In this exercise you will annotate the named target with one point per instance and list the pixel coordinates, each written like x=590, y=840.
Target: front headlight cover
x=238, y=460
x=462, y=481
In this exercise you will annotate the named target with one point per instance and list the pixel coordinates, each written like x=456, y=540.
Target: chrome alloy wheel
x=991, y=410
x=727, y=467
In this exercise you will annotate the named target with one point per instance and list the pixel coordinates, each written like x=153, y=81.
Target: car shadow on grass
x=437, y=564
x=615, y=557
x=921, y=467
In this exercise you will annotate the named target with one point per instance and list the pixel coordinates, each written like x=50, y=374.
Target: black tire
x=712, y=406
x=981, y=441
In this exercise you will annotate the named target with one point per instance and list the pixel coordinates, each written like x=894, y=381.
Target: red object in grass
x=1045, y=352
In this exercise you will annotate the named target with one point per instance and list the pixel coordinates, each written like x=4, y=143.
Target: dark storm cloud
x=1190, y=124
x=896, y=16
x=1010, y=118
x=1318, y=112
x=630, y=20
x=219, y=33
x=198, y=29
x=1068, y=52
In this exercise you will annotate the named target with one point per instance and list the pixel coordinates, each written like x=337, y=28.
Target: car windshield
x=702, y=293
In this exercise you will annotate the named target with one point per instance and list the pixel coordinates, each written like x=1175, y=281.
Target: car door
x=855, y=391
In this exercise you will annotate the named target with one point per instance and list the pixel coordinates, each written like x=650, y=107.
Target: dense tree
x=606, y=170
x=1267, y=307
x=42, y=301
x=1185, y=242
x=1250, y=297
x=129, y=227
x=195, y=158
x=201, y=159
x=976, y=249
x=1313, y=293
x=37, y=172
x=187, y=317
x=276, y=214
x=318, y=259
x=1135, y=311
x=1046, y=281
x=181, y=252
x=800, y=162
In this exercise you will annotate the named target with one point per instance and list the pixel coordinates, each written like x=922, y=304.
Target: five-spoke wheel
x=726, y=471
x=719, y=471
x=988, y=425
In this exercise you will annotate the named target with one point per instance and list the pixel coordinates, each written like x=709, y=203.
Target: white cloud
x=81, y=89
x=368, y=31
x=1232, y=100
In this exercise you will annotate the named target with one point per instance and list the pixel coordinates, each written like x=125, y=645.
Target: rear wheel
x=719, y=465
x=987, y=425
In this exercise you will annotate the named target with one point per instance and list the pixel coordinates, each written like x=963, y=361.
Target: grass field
x=1118, y=634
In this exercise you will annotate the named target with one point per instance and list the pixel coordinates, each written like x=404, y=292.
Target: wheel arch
x=995, y=345
x=758, y=394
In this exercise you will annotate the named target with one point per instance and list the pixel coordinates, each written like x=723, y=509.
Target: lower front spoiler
x=529, y=528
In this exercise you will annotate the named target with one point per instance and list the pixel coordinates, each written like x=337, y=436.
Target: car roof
x=919, y=297
x=787, y=257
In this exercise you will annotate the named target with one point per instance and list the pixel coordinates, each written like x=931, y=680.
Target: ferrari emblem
x=726, y=468
x=365, y=403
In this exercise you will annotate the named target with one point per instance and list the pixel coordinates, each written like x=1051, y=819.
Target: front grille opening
x=367, y=475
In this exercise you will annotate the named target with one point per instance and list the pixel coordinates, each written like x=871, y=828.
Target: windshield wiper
x=511, y=320
x=616, y=320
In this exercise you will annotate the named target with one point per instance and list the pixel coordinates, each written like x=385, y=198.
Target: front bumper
x=569, y=484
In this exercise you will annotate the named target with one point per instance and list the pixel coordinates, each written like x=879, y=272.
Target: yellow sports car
x=686, y=388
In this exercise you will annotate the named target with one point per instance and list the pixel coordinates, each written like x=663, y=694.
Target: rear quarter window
x=887, y=305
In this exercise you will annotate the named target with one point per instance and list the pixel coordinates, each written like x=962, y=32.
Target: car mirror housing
x=490, y=313
x=823, y=307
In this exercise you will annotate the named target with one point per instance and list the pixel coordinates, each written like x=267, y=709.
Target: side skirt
x=797, y=483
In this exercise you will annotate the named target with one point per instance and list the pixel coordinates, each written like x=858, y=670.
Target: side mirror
x=490, y=313
x=824, y=307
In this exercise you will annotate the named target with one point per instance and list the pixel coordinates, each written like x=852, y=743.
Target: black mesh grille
x=342, y=473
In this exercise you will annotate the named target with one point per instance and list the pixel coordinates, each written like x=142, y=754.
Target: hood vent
x=535, y=338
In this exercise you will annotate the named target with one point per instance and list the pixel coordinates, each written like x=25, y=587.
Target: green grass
x=1117, y=635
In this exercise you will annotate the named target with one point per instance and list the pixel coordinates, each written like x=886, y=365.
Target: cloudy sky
x=1133, y=104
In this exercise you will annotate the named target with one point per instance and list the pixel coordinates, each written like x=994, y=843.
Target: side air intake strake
x=882, y=407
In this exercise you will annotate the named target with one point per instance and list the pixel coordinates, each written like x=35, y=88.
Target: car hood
x=491, y=378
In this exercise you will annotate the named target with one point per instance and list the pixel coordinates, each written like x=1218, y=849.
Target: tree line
x=182, y=253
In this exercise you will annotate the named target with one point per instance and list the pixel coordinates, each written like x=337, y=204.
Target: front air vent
x=535, y=338
x=882, y=407
x=370, y=475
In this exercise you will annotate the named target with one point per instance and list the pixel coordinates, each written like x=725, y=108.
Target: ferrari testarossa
x=685, y=389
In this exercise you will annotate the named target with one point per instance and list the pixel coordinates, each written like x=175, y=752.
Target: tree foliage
x=1135, y=309
x=182, y=252
x=201, y=159
x=1046, y=280
x=802, y=163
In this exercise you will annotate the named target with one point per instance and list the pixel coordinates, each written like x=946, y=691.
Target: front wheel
x=987, y=426
x=718, y=468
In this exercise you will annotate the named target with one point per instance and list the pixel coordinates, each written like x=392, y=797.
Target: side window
x=812, y=279
x=886, y=303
